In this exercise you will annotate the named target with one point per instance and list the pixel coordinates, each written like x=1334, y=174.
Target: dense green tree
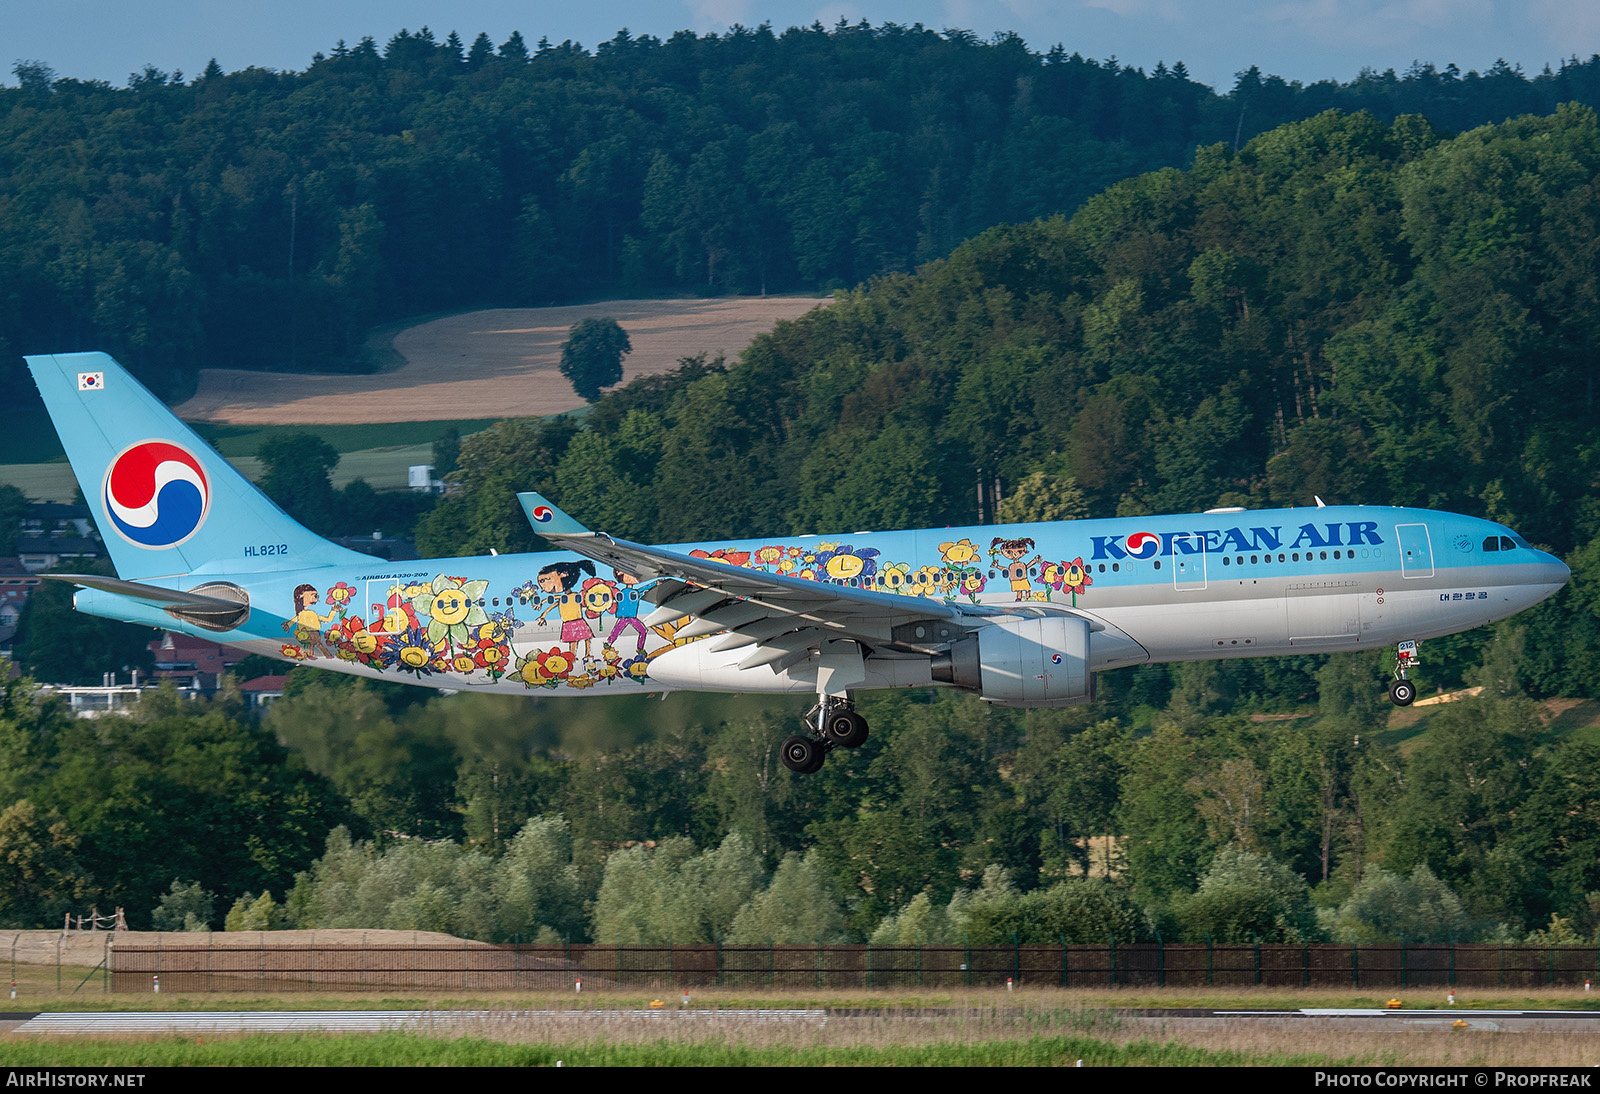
x=591, y=357
x=1247, y=897
x=184, y=907
x=1388, y=907
x=61, y=645
x=296, y=472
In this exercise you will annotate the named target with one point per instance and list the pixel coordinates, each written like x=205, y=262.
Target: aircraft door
x=1188, y=561
x=1416, y=550
x=387, y=611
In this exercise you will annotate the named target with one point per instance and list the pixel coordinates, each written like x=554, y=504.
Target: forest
x=1376, y=301
x=269, y=219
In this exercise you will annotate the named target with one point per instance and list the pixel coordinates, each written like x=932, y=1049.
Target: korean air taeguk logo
x=1142, y=545
x=542, y=514
x=156, y=494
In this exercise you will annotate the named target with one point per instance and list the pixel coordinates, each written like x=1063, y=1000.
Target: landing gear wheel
x=846, y=729
x=1402, y=693
x=802, y=755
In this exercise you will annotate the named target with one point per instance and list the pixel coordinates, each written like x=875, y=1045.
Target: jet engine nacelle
x=1033, y=662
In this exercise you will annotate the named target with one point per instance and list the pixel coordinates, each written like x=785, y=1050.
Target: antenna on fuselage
x=1320, y=503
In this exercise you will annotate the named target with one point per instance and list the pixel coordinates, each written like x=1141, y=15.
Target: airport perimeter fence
x=229, y=962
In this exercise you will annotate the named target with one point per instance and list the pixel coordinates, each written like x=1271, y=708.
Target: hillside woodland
x=1172, y=302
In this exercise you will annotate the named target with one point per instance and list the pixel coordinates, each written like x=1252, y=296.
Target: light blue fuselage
x=1192, y=587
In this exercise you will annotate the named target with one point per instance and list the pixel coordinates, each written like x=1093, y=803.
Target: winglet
x=546, y=519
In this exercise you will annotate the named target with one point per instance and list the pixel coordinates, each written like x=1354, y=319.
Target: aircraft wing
x=780, y=617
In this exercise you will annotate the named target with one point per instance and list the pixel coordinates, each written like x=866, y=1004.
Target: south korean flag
x=91, y=381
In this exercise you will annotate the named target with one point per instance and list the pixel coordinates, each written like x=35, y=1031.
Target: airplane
x=199, y=549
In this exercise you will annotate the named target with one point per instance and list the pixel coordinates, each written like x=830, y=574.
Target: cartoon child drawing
x=1014, y=569
x=560, y=579
x=306, y=625
x=628, y=598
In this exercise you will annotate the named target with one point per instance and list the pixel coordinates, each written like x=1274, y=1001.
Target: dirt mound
x=502, y=362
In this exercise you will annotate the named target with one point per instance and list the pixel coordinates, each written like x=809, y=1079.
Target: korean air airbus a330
x=1019, y=615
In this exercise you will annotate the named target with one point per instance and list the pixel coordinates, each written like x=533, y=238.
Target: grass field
x=977, y=1028
x=500, y=362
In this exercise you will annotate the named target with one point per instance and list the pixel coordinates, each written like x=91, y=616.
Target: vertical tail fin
x=165, y=501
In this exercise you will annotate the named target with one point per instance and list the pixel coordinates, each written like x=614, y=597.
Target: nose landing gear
x=837, y=726
x=1402, y=693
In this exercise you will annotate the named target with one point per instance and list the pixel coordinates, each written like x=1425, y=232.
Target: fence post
x=669, y=959
x=772, y=974
x=363, y=960
x=1258, y=957
x=211, y=941
x=1502, y=964
x=1305, y=962
x=466, y=962
x=1063, y=936
x=1452, y=959
x=869, y=961
x=619, y=958
x=1209, y=959
x=1016, y=959
x=1113, y=936
x=1405, y=962
x=819, y=961
x=1161, y=962
x=719, y=961
x=967, y=965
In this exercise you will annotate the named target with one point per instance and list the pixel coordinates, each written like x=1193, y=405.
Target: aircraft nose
x=1552, y=571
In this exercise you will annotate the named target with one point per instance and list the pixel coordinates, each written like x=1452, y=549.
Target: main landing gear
x=837, y=726
x=1402, y=693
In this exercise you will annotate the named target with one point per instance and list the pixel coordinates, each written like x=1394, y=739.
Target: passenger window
x=1114, y=567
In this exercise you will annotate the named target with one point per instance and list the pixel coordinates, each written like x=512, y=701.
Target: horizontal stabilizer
x=227, y=609
x=145, y=594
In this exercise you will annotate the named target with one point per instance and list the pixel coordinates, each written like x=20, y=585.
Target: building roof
x=264, y=683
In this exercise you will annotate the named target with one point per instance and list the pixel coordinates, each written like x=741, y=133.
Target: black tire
x=1402, y=693
x=801, y=755
x=846, y=729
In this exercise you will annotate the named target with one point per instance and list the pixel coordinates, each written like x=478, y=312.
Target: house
x=262, y=690
x=37, y=553
x=192, y=663
x=16, y=585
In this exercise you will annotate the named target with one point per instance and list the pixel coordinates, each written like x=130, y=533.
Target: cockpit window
x=1492, y=543
x=1509, y=544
